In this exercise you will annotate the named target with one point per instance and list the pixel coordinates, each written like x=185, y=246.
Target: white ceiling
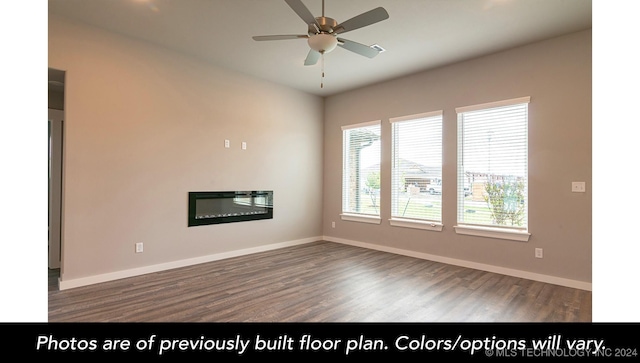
x=419, y=34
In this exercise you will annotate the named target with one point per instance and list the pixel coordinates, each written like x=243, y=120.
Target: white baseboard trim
x=84, y=281
x=463, y=263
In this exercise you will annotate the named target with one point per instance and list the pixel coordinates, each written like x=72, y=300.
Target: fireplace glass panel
x=231, y=206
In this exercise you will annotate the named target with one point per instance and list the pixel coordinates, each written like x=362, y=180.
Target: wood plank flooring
x=320, y=282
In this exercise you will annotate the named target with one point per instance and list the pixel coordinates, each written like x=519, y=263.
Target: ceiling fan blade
x=279, y=37
x=362, y=20
x=358, y=48
x=303, y=12
x=312, y=58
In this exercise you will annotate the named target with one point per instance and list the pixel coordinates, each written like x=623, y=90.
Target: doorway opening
x=55, y=156
x=55, y=186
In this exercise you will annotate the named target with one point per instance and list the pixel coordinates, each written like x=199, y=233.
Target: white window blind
x=361, y=169
x=492, y=164
x=416, y=170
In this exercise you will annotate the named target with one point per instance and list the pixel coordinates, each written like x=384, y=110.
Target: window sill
x=412, y=223
x=360, y=218
x=503, y=233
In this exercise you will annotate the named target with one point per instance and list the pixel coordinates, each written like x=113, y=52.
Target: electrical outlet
x=333, y=224
x=578, y=187
x=139, y=247
x=538, y=252
x=244, y=145
x=227, y=144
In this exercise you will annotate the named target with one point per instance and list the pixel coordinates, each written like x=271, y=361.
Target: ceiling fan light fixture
x=323, y=42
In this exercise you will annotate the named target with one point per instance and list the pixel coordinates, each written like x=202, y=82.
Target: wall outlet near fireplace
x=139, y=247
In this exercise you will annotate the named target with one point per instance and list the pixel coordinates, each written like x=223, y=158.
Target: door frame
x=56, y=123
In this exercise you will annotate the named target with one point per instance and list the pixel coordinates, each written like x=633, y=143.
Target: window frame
x=492, y=231
x=345, y=214
x=408, y=222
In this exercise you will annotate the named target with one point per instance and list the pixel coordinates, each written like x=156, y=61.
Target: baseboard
x=463, y=263
x=84, y=281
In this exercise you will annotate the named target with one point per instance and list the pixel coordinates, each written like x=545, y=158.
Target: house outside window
x=361, y=172
x=493, y=169
x=416, y=171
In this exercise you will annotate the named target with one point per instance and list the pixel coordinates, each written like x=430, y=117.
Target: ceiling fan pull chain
x=322, y=70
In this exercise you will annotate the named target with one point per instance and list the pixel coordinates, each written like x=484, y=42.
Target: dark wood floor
x=320, y=282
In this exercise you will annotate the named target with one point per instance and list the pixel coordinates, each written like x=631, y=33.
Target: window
x=361, y=172
x=492, y=169
x=416, y=171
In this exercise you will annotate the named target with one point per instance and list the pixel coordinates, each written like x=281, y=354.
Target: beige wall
x=144, y=126
x=556, y=74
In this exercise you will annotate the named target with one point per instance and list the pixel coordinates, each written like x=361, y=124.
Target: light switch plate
x=578, y=187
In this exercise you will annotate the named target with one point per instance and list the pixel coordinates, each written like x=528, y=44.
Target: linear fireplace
x=228, y=207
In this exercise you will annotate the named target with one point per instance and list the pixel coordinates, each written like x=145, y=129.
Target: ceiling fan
x=323, y=32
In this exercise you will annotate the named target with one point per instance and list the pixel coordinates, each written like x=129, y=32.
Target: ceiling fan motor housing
x=326, y=25
x=321, y=40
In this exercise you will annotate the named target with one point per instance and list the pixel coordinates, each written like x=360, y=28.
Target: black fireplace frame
x=263, y=211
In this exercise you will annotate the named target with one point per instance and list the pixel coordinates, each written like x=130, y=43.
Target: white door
x=55, y=186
